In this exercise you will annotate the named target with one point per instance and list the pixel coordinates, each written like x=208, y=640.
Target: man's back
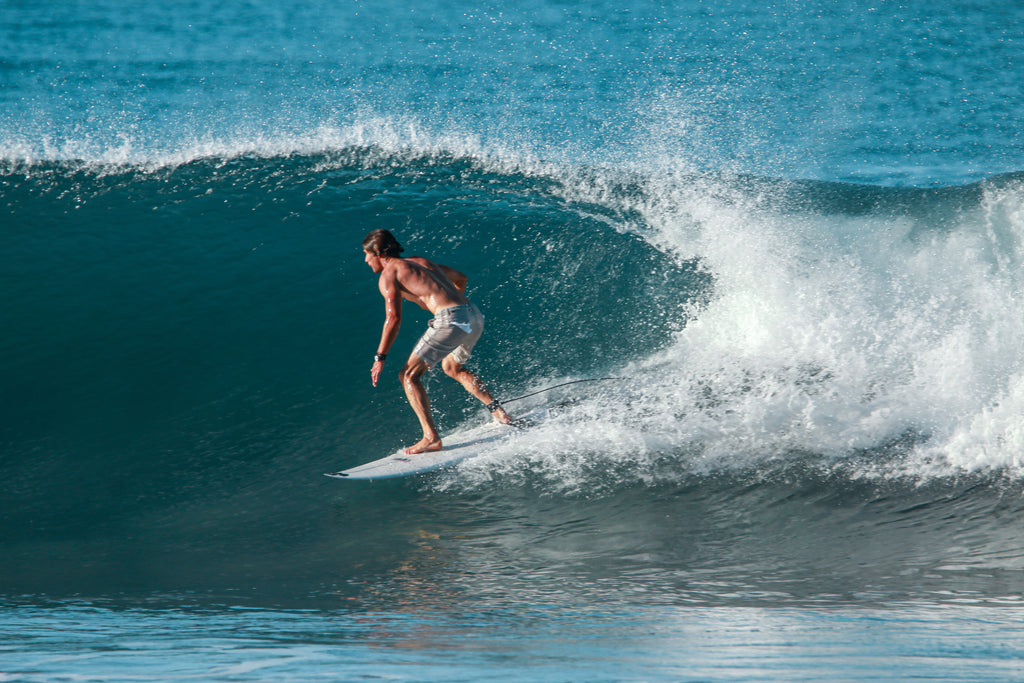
x=424, y=283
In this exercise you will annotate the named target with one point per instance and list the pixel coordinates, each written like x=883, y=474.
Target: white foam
x=882, y=344
x=836, y=335
x=390, y=136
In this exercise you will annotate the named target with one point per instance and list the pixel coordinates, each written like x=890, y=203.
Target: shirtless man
x=455, y=329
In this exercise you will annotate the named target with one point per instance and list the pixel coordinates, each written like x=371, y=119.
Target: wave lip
x=381, y=140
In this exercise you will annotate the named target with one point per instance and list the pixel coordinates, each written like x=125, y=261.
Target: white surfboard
x=457, y=447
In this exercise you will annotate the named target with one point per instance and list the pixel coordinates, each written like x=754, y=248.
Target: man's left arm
x=458, y=279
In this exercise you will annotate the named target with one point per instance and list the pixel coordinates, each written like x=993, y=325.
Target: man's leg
x=472, y=384
x=410, y=375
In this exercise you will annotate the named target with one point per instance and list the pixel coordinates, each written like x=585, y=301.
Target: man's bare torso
x=428, y=285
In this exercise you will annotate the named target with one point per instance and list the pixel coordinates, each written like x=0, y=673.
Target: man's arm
x=458, y=279
x=392, y=319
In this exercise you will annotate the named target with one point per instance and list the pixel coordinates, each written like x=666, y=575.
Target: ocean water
x=791, y=234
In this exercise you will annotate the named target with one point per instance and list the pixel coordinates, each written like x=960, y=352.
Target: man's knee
x=451, y=367
x=412, y=370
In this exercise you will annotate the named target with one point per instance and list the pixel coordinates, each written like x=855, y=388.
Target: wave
x=193, y=340
x=759, y=322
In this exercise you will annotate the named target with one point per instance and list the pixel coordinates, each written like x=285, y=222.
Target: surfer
x=449, y=339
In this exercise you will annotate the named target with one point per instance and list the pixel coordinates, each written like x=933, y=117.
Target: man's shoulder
x=400, y=266
x=399, y=270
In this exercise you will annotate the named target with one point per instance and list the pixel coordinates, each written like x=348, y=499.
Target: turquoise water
x=684, y=644
x=792, y=233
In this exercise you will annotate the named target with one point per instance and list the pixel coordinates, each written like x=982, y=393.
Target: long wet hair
x=380, y=242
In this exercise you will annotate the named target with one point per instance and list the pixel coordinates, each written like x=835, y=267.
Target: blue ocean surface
x=765, y=257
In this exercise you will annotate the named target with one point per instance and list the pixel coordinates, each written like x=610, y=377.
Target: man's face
x=373, y=261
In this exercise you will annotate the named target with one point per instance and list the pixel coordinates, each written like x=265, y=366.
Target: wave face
x=193, y=339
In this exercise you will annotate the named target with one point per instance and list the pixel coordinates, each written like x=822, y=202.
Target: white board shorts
x=453, y=331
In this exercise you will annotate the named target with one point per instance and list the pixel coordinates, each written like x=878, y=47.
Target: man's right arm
x=392, y=320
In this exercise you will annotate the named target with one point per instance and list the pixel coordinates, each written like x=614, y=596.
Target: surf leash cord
x=563, y=384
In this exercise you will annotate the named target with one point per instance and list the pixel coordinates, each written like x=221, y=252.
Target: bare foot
x=424, y=445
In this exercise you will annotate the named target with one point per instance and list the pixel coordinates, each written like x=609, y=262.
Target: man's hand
x=378, y=365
